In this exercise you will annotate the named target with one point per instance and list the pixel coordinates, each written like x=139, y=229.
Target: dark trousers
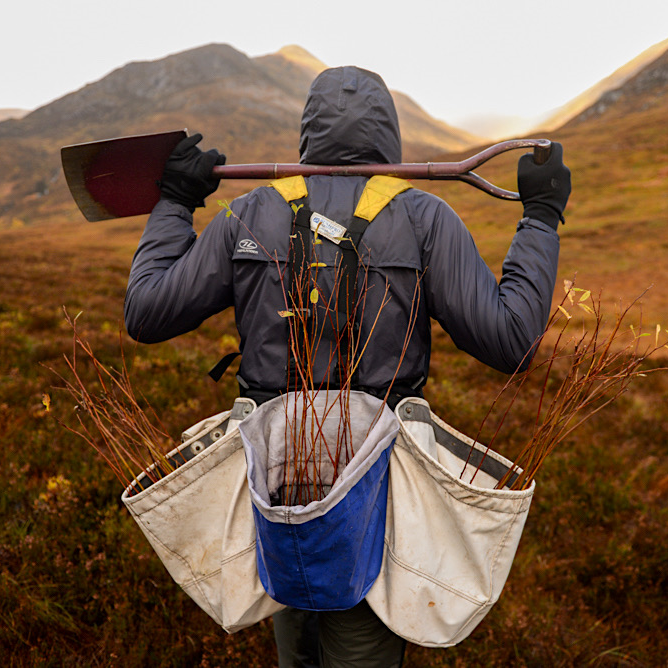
x=353, y=638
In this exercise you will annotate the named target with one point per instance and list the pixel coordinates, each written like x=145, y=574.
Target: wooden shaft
x=418, y=170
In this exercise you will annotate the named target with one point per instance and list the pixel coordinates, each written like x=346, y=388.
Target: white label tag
x=327, y=228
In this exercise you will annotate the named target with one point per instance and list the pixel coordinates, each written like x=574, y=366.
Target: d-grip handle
x=542, y=151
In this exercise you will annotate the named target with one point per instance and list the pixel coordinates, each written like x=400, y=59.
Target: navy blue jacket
x=178, y=280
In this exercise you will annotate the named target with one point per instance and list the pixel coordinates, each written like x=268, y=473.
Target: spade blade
x=116, y=178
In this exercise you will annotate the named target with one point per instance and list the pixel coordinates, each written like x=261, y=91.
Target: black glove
x=544, y=189
x=187, y=176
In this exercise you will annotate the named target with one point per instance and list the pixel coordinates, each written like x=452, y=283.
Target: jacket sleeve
x=177, y=280
x=497, y=322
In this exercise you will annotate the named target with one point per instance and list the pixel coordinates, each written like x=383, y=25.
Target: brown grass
x=79, y=584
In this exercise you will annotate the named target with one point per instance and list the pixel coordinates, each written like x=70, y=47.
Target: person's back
x=416, y=248
x=415, y=237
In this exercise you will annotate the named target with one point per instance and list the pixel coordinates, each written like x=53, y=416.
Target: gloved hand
x=544, y=189
x=187, y=175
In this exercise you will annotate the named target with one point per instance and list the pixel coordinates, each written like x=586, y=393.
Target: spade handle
x=461, y=171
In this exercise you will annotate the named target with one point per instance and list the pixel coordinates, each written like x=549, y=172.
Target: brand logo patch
x=327, y=228
x=247, y=246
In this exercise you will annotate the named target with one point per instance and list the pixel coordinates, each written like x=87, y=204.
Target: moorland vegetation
x=79, y=584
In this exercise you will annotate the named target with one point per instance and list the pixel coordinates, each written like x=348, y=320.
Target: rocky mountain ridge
x=647, y=89
x=210, y=81
x=615, y=81
x=247, y=107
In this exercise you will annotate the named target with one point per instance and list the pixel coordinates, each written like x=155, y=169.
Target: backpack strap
x=378, y=193
x=290, y=188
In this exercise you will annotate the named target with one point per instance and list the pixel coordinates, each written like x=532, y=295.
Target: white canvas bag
x=199, y=521
x=449, y=544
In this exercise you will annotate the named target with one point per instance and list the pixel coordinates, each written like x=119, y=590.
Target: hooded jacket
x=349, y=118
x=417, y=248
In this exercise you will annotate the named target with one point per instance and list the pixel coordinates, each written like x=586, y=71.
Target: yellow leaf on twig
x=585, y=295
x=568, y=289
x=565, y=312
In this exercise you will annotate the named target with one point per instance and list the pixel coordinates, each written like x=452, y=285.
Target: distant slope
x=647, y=89
x=423, y=136
x=616, y=235
x=12, y=113
x=294, y=67
x=617, y=79
x=250, y=108
x=497, y=127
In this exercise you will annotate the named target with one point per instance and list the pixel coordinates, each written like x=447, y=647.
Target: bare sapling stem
x=325, y=310
x=126, y=437
x=597, y=366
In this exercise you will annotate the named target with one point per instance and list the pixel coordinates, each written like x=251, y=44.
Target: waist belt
x=399, y=391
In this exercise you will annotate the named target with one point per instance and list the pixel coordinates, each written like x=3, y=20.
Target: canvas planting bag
x=431, y=565
x=449, y=543
x=199, y=521
x=325, y=555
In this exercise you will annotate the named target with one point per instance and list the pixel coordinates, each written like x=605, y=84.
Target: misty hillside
x=583, y=102
x=645, y=91
x=250, y=108
x=6, y=114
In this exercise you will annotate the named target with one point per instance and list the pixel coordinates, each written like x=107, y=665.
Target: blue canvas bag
x=327, y=554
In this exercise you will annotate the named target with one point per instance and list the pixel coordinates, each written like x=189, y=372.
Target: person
x=177, y=280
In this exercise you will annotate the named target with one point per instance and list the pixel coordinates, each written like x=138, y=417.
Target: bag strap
x=300, y=284
x=377, y=194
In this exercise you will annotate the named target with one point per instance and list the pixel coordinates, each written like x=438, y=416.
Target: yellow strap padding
x=290, y=188
x=379, y=192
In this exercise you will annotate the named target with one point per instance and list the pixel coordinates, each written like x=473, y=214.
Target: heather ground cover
x=79, y=585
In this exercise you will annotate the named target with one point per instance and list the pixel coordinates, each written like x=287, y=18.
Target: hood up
x=349, y=118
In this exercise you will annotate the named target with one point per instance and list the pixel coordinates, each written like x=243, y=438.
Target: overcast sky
x=456, y=58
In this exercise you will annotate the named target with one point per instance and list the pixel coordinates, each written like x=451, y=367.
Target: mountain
x=250, y=108
x=423, y=136
x=12, y=113
x=646, y=90
x=617, y=149
x=616, y=80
